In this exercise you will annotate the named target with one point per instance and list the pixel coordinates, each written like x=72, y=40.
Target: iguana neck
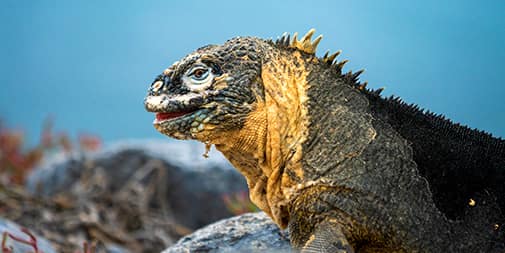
x=457, y=161
x=269, y=144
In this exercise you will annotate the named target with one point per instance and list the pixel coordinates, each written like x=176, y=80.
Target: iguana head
x=210, y=90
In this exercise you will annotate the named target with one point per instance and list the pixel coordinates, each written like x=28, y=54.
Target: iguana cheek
x=221, y=82
x=199, y=123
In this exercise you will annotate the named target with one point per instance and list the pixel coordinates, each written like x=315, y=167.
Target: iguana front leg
x=327, y=237
x=315, y=227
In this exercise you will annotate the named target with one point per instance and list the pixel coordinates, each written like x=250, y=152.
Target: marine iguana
x=345, y=169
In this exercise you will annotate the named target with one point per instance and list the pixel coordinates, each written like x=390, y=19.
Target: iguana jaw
x=178, y=116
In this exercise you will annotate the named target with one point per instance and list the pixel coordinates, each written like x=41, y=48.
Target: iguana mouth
x=165, y=116
x=178, y=116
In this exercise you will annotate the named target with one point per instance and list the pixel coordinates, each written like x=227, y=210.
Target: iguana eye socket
x=200, y=75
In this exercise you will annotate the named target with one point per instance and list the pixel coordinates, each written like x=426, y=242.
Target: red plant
x=89, y=142
x=88, y=248
x=16, y=161
x=4, y=244
x=32, y=242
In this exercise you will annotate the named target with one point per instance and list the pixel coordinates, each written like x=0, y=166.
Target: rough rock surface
x=132, y=197
x=193, y=185
x=251, y=232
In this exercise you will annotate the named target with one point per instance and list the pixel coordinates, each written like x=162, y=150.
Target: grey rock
x=194, y=186
x=61, y=170
x=251, y=232
x=15, y=229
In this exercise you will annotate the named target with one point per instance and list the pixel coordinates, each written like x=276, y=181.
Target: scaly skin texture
x=345, y=169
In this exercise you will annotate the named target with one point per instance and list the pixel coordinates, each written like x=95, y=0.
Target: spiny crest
x=353, y=77
x=447, y=125
x=330, y=58
x=305, y=44
x=362, y=86
x=284, y=40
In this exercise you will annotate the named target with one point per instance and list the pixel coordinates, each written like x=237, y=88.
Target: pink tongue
x=169, y=115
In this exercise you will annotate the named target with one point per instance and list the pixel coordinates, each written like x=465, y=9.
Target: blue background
x=89, y=63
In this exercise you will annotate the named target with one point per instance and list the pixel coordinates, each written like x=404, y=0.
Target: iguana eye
x=200, y=75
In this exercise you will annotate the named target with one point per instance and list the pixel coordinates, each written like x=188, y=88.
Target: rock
x=15, y=229
x=137, y=196
x=193, y=185
x=251, y=232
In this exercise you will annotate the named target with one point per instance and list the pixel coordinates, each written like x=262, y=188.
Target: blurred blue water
x=89, y=63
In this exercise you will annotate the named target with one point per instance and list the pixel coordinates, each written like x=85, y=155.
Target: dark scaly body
x=417, y=172
x=342, y=167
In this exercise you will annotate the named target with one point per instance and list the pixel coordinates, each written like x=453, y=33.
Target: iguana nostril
x=156, y=86
x=162, y=83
